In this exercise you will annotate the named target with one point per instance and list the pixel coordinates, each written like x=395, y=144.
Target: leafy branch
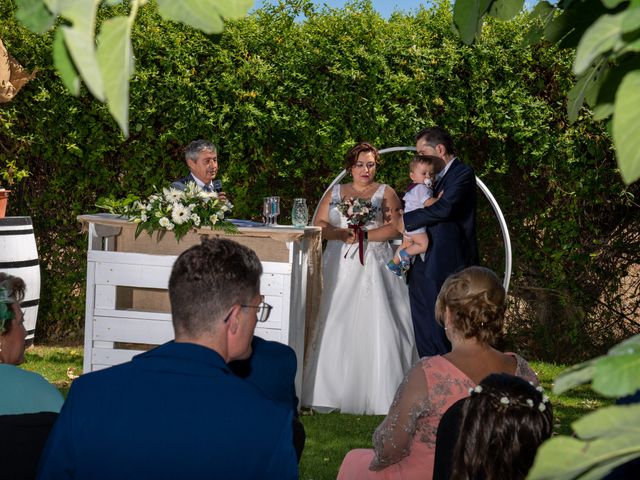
x=105, y=62
x=607, y=62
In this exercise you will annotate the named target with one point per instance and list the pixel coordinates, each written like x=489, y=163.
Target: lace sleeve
x=392, y=439
x=523, y=370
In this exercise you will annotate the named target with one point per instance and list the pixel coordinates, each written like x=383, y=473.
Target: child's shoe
x=405, y=260
x=395, y=268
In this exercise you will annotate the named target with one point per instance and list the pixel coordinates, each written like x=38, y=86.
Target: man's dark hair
x=194, y=148
x=435, y=136
x=207, y=279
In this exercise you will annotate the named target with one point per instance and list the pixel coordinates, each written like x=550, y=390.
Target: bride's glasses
x=369, y=165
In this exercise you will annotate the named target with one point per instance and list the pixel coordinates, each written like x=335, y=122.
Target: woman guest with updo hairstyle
x=28, y=403
x=504, y=414
x=471, y=307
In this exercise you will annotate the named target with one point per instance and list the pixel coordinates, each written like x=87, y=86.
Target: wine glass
x=266, y=210
x=275, y=209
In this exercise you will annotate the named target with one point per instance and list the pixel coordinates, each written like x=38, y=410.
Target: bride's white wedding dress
x=364, y=342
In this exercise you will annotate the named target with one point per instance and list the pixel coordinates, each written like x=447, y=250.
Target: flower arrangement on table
x=358, y=212
x=173, y=210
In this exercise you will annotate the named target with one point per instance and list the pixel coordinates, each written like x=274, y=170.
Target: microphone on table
x=217, y=186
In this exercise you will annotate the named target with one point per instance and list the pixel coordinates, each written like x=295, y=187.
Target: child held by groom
x=422, y=171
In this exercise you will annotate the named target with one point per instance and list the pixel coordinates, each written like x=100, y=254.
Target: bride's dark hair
x=354, y=152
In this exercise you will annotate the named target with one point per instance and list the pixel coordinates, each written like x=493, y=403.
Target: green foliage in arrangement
x=284, y=99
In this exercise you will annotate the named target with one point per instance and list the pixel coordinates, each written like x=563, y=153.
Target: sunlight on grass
x=56, y=364
x=329, y=436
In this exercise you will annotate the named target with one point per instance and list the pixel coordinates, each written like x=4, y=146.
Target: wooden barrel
x=19, y=257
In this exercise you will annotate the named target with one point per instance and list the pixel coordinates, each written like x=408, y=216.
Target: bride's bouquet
x=358, y=212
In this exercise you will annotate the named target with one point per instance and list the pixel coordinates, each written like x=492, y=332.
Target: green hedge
x=284, y=99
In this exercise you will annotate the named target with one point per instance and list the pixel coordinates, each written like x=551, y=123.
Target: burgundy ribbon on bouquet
x=359, y=233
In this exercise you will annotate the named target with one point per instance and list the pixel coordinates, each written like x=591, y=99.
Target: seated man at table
x=201, y=157
x=178, y=411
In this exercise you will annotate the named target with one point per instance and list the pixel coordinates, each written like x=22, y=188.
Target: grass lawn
x=330, y=436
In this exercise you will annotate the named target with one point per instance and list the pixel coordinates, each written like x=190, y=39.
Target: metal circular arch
x=483, y=188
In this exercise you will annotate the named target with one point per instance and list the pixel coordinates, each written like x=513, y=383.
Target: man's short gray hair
x=194, y=148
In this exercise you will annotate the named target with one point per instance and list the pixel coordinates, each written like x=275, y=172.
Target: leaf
x=467, y=17
x=542, y=15
x=626, y=118
x=568, y=28
x=64, y=65
x=627, y=347
x=232, y=8
x=618, y=441
x=205, y=15
x=80, y=43
x=505, y=9
x=612, y=3
x=586, y=87
x=604, y=105
x=603, y=36
x=574, y=376
x=34, y=15
x=631, y=20
x=607, y=422
x=616, y=376
x=115, y=59
x=83, y=53
x=602, y=111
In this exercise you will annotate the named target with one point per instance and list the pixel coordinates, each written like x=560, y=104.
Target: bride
x=364, y=342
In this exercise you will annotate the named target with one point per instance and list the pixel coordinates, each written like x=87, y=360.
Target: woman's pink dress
x=404, y=443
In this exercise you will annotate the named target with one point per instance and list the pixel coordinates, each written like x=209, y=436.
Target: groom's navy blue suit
x=451, y=226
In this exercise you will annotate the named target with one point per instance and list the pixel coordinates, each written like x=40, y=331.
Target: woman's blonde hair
x=476, y=299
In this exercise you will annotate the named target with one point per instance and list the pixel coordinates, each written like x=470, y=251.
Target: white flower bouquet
x=174, y=211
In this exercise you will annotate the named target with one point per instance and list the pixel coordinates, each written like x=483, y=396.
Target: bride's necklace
x=363, y=191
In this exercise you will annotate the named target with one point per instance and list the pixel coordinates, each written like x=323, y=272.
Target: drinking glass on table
x=299, y=213
x=266, y=210
x=275, y=209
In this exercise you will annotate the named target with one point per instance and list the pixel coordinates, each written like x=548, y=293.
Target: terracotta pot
x=4, y=198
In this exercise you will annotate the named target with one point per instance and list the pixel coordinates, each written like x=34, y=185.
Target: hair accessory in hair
x=6, y=314
x=505, y=401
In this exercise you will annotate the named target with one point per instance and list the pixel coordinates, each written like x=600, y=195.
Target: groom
x=451, y=226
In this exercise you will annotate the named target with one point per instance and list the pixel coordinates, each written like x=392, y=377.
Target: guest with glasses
x=201, y=157
x=178, y=411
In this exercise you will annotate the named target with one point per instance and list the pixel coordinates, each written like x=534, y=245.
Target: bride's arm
x=391, y=207
x=329, y=232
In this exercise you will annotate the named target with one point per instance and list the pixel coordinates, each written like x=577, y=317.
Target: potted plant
x=10, y=174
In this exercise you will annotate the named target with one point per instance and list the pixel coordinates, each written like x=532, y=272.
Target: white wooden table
x=127, y=304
